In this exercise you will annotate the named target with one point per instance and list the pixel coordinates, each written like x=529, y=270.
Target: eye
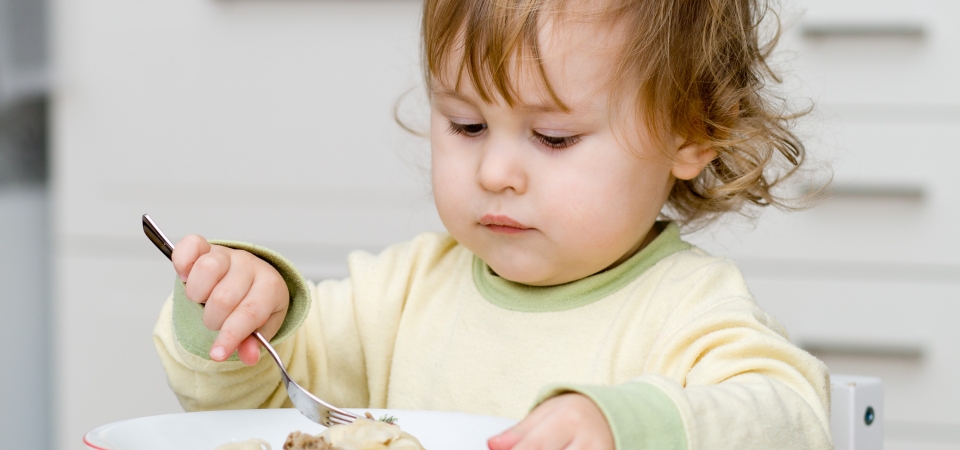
x=467, y=129
x=556, y=142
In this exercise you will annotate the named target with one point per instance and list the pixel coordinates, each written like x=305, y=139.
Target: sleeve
x=332, y=342
x=722, y=375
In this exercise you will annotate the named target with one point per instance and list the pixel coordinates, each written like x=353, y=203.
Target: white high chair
x=856, y=412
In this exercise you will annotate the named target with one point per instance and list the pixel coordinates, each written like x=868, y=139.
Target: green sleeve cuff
x=187, y=315
x=640, y=415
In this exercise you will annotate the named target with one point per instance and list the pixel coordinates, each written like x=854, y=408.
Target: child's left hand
x=568, y=421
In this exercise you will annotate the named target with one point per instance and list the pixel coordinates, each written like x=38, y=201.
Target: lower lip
x=505, y=229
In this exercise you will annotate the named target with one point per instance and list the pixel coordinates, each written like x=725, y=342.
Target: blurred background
x=272, y=121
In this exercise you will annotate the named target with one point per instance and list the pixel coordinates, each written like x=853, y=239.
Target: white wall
x=267, y=121
x=271, y=121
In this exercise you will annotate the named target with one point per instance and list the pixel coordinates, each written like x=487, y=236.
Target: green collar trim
x=521, y=297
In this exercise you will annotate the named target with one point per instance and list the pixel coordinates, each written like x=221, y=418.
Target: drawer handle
x=869, y=349
x=878, y=191
x=903, y=30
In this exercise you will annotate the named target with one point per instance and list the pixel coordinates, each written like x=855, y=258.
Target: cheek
x=609, y=201
x=450, y=174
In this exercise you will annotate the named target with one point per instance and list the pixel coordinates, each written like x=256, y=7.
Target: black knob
x=869, y=416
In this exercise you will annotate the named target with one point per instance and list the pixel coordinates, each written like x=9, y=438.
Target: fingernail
x=183, y=278
x=218, y=353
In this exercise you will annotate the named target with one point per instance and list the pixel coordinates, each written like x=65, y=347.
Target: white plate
x=207, y=430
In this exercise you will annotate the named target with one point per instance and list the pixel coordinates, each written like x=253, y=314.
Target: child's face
x=542, y=196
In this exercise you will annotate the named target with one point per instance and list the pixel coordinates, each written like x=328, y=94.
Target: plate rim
x=90, y=438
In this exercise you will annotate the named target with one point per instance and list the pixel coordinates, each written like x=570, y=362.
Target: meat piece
x=304, y=441
x=364, y=434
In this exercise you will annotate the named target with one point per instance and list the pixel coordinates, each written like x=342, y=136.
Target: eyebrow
x=526, y=107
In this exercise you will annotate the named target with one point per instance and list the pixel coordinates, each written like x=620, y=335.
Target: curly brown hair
x=697, y=69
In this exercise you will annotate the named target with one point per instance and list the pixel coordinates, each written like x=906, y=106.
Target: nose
x=502, y=167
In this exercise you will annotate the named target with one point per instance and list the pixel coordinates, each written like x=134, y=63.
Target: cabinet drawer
x=893, y=200
x=905, y=333
x=875, y=52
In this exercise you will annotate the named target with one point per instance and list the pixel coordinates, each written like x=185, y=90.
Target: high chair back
x=856, y=412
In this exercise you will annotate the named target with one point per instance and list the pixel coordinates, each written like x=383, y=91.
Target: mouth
x=499, y=223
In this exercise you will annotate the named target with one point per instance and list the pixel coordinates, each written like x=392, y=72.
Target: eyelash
x=461, y=128
x=551, y=142
x=555, y=142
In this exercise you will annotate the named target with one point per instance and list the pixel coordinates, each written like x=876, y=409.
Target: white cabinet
x=877, y=53
x=870, y=279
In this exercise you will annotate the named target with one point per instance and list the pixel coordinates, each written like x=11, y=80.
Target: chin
x=519, y=273
x=519, y=278
x=513, y=262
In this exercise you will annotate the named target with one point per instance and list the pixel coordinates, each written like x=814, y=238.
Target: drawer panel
x=904, y=333
x=893, y=201
x=864, y=52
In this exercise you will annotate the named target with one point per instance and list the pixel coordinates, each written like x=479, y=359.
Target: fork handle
x=156, y=236
x=270, y=350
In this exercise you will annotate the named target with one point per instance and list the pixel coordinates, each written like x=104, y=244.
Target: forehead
x=564, y=63
x=526, y=102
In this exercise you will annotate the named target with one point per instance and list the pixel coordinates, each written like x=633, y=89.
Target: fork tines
x=342, y=417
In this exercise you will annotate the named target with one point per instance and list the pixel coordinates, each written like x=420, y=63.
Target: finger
x=206, y=273
x=227, y=294
x=508, y=439
x=251, y=314
x=186, y=253
x=504, y=441
x=249, y=351
x=548, y=434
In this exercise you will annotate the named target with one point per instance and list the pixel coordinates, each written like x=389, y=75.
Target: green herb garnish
x=388, y=419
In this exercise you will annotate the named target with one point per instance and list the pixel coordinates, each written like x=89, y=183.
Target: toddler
x=570, y=140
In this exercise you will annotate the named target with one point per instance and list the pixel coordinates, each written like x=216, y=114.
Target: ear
x=691, y=159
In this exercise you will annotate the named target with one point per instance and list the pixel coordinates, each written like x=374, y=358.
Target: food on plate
x=252, y=444
x=364, y=434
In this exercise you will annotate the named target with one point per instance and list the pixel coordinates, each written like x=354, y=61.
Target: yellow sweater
x=670, y=344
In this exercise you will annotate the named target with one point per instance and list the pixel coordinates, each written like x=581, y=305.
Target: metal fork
x=308, y=404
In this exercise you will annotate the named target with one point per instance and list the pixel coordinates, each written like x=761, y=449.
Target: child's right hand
x=242, y=293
